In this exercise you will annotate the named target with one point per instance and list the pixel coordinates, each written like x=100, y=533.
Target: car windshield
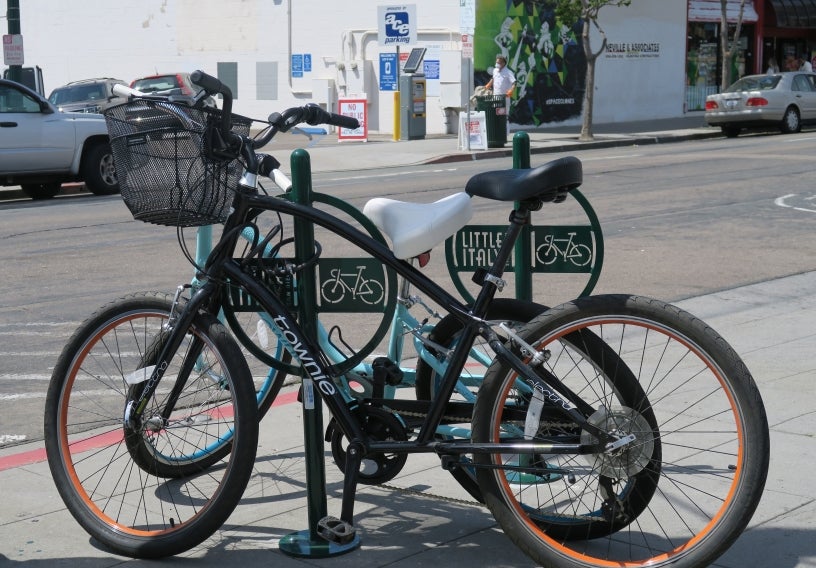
x=77, y=94
x=755, y=83
x=151, y=84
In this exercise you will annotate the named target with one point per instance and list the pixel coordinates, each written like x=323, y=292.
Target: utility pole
x=13, y=17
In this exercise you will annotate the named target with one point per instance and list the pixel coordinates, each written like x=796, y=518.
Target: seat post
x=491, y=279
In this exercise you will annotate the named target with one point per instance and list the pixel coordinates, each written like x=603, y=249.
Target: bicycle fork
x=152, y=375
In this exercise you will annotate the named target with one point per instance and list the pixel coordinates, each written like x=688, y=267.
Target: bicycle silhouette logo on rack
x=567, y=249
x=351, y=285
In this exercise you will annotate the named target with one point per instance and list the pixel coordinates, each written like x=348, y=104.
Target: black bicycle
x=610, y=430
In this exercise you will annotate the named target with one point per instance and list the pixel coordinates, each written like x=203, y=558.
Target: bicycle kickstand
x=342, y=530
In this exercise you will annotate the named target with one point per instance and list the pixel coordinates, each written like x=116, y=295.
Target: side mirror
x=46, y=108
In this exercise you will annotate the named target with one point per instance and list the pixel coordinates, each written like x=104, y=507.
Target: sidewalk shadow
x=398, y=538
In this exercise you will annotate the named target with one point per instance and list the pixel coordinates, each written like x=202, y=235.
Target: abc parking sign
x=397, y=25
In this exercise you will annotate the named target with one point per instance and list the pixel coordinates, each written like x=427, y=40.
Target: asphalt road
x=679, y=220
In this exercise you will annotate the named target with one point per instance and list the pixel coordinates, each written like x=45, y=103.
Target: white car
x=780, y=100
x=42, y=148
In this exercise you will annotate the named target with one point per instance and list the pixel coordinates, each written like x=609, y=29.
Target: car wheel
x=99, y=171
x=731, y=131
x=791, y=122
x=41, y=190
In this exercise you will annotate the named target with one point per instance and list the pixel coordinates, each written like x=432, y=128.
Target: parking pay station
x=412, y=97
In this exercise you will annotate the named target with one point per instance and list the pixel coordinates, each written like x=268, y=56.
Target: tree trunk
x=589, y=92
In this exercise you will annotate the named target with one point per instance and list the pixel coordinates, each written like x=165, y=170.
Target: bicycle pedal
x=385, y=370
x=336, y=530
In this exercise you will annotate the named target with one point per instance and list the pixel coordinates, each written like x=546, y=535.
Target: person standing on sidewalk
x=502, y=83
x=503, y=80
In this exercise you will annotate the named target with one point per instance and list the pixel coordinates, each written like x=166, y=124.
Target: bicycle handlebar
x=281, y=122
x=213, y=86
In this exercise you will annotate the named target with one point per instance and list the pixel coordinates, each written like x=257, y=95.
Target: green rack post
x=308, y=543
x=523, y=250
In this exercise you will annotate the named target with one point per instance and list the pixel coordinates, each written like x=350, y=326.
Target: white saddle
x=414, y=228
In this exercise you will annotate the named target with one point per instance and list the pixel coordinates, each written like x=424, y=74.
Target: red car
x=170, y=84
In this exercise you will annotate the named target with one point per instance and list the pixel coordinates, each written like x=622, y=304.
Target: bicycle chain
x=458, y=419
x=454, y=500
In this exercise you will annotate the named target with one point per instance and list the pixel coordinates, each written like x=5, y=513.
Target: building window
x=228, y=74
x=266, y=78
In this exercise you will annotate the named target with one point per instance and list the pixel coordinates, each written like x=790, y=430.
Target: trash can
x=495, y=119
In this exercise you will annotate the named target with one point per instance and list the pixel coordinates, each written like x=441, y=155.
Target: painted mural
x=545, y=55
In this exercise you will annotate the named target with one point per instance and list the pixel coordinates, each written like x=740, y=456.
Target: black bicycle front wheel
x=691, y=466
x=172, y=496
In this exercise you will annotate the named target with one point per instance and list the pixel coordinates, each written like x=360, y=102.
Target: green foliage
x=574, y=10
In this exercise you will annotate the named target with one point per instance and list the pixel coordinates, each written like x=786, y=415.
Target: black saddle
x=550, y=182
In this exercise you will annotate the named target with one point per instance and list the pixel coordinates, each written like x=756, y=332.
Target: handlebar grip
x=313, y=114
x=124, y=91
x=344, y=121
x=212, y=85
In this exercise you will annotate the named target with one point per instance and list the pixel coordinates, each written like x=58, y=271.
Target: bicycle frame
x=313, y=360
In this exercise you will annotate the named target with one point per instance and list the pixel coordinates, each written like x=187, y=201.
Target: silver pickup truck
x=41, y=148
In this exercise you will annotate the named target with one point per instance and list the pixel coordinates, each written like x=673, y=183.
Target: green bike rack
x=473, y=246
x=308, y=543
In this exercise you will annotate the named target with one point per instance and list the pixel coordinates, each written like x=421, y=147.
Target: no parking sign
x=356, y=108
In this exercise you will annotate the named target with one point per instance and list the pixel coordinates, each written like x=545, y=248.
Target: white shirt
x=503, y=79
x=806, y=66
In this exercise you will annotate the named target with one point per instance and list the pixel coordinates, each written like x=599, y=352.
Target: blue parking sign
x=297, y=65
x=389, y=67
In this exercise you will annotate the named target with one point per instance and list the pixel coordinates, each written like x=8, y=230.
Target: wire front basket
x=165, y=175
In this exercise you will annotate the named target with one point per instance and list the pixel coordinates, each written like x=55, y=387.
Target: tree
x=587, y=12
x=729, y=52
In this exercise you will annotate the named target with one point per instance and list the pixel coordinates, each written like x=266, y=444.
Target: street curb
x=574, y=146
x=67, y=189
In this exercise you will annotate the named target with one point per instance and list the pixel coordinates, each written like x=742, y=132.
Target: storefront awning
x=711, y=11
x=795, y=13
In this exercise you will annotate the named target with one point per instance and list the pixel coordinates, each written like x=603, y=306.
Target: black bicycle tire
x=742, y=491
x=173, y=537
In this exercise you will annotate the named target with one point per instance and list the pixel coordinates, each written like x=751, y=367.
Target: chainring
x=380, y=425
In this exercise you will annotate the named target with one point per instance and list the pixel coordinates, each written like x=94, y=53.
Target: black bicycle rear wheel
x=702, y=440
x=173, y=496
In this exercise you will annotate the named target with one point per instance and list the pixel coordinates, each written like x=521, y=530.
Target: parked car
x=170, y=84
x=41, y=148
x=781, y=100
x=88, y=95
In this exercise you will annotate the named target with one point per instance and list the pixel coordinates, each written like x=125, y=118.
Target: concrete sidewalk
x=423, y=518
